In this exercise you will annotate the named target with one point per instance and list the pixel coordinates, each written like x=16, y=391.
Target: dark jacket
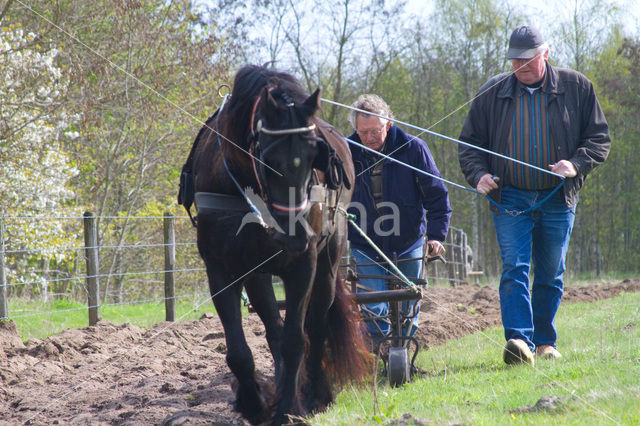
x=576, y=122
x=412, y=192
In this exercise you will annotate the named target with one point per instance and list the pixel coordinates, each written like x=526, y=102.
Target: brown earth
x=175, y=373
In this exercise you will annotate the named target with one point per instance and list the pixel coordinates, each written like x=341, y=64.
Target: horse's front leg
x=297, y=283
x=260, y=291
x=250, y=401
x=317, y=388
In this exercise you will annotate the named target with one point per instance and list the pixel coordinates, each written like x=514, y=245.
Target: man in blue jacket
x=395, y=205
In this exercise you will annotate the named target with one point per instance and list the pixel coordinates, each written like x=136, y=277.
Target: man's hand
x=435, y=248
x=487, y=183
x=564, y=168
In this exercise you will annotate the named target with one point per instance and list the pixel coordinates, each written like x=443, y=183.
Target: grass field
x=40, y=320
x=57, y=316
x=596, y=382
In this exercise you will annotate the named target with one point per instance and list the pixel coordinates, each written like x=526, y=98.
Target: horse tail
x=347, y=357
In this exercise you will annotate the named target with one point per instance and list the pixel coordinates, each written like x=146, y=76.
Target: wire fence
x=124, y=260
x=129, y=260
x=459, y=260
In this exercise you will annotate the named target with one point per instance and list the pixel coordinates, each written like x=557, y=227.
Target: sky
x=548, y=8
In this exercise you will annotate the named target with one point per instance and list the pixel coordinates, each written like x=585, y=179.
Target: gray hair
x=372, y=103
x=544, y=46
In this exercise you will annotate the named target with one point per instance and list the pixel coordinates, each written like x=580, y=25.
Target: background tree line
x=100, y=101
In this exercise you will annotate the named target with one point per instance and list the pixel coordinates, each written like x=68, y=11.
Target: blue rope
x=440, y=135
x=533, y=207
x=502, y=208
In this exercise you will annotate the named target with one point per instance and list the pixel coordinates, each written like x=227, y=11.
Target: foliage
x=101, y=101
x=606, y=235
x=444, y=60
x=143, y=76
x=35, y=125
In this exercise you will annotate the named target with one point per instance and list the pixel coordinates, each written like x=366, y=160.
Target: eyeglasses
x=374, y=132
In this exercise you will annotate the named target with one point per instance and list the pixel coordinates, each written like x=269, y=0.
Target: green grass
x=597, y=380
x=39, y=320
x=570, y=279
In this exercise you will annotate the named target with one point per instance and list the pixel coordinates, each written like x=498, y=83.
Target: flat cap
x=524, y=42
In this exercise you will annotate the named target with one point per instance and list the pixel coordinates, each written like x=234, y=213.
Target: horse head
x=285, y=147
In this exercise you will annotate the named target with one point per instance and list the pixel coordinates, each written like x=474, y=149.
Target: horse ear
x=270, y=98
x=313, y=101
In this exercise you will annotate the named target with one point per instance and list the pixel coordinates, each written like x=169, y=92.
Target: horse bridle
x=256, y=151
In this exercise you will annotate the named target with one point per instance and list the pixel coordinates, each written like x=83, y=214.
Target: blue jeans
x=540, y=236
x=410, y=269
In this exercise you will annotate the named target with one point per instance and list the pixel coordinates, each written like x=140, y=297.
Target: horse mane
x=249, y=82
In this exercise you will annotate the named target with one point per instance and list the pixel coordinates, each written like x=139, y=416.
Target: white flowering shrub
x=34, y=169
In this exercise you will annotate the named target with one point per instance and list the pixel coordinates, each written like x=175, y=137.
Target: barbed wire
x=102, y=305
x=119, y=274
x=85, y=217
x=98, y=247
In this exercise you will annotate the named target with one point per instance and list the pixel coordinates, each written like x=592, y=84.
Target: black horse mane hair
x=249, y=82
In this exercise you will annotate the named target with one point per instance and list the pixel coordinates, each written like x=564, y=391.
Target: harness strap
x=253, y=208
x=186, y=191
x=221, y=202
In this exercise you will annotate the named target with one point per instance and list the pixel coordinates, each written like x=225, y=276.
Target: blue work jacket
x=422, y=201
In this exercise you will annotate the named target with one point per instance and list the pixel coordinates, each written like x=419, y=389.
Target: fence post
x=450, y=256
x=169, y=263
x=91, y=256
x=465, y=255
x=4, y=312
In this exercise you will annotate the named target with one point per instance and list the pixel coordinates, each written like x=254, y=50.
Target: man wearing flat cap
x=548, y=118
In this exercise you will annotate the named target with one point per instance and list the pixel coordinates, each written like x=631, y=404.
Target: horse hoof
x=252, y=405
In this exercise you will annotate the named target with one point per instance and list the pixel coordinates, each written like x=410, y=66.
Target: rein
x=388, y=157
x=255, y=150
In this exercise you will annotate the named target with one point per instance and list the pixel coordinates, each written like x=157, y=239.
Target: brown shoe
x=517, y=352
x=548, y=351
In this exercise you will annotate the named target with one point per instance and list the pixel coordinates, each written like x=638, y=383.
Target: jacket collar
x=554, y=85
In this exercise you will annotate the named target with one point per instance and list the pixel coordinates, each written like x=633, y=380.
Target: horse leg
x=317, y=388
x=297, y=283
x=260, y=292
x=250, y=401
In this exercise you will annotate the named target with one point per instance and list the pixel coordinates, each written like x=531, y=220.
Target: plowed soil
x=175, y=373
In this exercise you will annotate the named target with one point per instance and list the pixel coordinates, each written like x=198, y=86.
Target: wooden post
x=45, y=276
x=4, y=312
x=465, y=256
x=169, y=264
x=450, y=256
x=456, y=255
x=91, y=257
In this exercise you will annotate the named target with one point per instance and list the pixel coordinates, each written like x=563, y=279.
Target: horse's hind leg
x=260, y=292
x=250, y=401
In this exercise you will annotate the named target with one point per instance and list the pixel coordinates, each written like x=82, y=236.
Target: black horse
x=271, y=181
